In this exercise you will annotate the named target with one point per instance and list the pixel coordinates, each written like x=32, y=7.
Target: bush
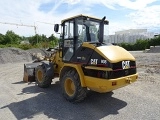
x=21, y=46
x=2, y=46
x=141, y=44
x=25, y=46
x=10, y=39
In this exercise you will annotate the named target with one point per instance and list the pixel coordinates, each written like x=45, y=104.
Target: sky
x=122, y=14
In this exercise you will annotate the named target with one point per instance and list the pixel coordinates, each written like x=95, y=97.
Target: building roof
x=131, y=31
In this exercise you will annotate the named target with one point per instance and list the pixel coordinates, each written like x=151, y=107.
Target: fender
x=77, y=68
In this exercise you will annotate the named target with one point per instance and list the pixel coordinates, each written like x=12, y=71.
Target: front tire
x=71, y=87
x=42, y=79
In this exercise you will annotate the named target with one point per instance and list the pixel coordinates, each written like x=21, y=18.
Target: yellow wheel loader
x=84, y=60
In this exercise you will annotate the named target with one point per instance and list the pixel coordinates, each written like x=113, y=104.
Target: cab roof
x=81, y=15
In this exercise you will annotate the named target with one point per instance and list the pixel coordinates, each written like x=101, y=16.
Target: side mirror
x=56, y=27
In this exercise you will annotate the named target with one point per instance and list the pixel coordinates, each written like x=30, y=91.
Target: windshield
x=88, y=31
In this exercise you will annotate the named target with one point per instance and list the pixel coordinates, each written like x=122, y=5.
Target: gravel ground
x=14, y=55
x=138, y=101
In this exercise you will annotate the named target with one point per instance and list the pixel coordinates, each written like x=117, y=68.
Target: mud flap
x=29, y=71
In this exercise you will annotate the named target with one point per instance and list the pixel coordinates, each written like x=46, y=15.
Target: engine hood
x=114, y=53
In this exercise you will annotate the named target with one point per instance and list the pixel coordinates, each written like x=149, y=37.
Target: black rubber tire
x=80, y=92
x=45, y=80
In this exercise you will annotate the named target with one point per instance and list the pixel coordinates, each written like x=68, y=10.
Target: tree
x=12, y=38
x=2, y=39
x=35, y=39
x=53, y=40
x=141, y=44
x=44, y=38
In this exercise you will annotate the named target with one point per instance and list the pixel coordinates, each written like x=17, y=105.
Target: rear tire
x=42, y=79
x=71, y=87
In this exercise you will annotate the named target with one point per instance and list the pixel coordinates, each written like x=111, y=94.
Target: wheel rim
x=69, y=87
x=39, y=75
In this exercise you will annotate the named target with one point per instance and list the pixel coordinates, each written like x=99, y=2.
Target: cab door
x=68, y=40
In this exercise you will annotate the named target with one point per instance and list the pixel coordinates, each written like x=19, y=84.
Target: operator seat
x=92, y=36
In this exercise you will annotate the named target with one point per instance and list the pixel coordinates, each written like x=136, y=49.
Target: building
x=130, y=36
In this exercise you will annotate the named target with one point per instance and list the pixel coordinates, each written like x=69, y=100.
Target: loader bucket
x=29, y=71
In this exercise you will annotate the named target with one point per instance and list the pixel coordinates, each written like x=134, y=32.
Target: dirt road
x=138, y=101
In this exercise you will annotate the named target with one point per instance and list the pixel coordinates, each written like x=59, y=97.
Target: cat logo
x=94, y=61
x=125, y=64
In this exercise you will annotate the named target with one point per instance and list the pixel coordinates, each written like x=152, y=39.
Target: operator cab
x=79, y=29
